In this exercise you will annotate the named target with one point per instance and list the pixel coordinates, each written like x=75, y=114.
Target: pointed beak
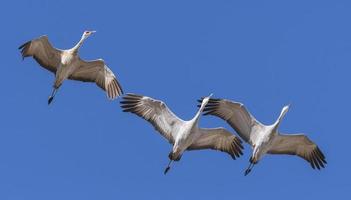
x=207, y=98
x=288, y=105
x=93, y=31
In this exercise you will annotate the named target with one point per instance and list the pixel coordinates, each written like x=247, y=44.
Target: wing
x=43, y=52
x=96, y=71
x=299, y=145
x=218, y=139
x=236, y=115
x=154, y=111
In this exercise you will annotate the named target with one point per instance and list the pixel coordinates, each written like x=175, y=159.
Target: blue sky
x=264, y=54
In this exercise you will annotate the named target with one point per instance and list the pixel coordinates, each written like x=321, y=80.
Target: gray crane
x=66, y=64
x=262, y=138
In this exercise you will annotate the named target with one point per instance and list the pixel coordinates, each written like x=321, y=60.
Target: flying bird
x=262, y=138
x=66, y=64
x=183, y=135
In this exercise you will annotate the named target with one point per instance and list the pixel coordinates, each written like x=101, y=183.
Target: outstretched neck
x=198, y=114
x=78, y=45
x=280, y=118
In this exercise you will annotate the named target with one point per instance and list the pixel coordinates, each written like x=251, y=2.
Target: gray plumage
x=66, y=64
x=265, y=139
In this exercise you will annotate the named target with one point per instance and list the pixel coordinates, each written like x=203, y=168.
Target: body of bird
x=186, y=136
x=67, y=67
x=262, y=137
x=261, y=142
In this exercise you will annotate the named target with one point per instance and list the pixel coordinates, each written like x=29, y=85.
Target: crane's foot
x=247, y=172
x=166, y=170
x=50, y=99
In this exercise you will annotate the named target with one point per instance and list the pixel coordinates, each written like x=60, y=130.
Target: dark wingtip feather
x=134, y=95
x=110, y=91
x=114, y=90
x=128, y=106
x=316, y=163
x=312, y=164
x=320, y=152
x=238, y=142
x=132, y=109
x=321, y=156
x=209, y=109
x=23, y=45
x=236, y=147
x=128, y=101
x=207, y=113
x=119, y=88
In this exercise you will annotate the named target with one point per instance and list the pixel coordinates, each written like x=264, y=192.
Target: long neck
x=79, y=44
x=280, y=118
x=198, y=114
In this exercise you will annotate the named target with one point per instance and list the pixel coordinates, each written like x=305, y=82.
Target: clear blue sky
x=264, y=54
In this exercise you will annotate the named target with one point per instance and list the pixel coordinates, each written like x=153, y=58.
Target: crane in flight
x=66, y=64
x=183, y=135
x=262, y=138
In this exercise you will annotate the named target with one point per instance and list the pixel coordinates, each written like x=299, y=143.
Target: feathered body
x=66, y=64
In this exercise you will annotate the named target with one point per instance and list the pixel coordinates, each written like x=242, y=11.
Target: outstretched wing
x=96, y=71
x=154, y=111
x=299, y=145
x=236, y=115
x=43, y=52
x=218, y=139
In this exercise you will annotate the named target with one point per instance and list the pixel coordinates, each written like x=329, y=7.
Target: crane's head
x=205, y=100
x=88, y=33
x=282, y=114
x=285, y=110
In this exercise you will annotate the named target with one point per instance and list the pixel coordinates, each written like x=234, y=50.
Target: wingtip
x=23, y=45
x=133, y=95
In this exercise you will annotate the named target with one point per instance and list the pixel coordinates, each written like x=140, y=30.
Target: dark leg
x=168, y=167
x=248, y=170
x=172, y=157
x=52, y=95
x=251, y=165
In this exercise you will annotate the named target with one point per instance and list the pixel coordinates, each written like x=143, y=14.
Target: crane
x=66, y=64
x=262, y=138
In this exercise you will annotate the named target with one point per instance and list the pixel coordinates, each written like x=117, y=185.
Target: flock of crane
x=183, y=135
